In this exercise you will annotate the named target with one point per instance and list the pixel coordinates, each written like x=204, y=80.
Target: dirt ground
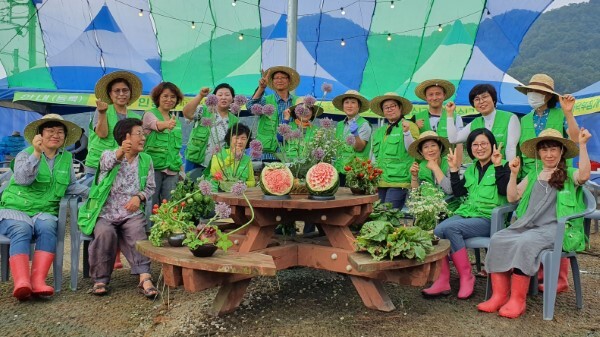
x=298, y=302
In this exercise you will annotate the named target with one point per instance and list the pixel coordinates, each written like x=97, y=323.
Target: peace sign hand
x=496, y=155
x=453, y=160
x=264, y=80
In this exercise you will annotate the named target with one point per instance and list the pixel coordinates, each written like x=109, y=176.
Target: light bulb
x=193, y=25
x=241, y=37
x=343, y=43
x=440, y=27
x=141, y=13
x=392, y=4
x=389, y=38
x=233, y=3
x=343, y=11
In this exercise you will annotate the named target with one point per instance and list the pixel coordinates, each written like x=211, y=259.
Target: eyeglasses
x=481, y=98
x=480, y=145
x=123, y=91
x=390, y=107
x=280, y=78
x=53, y=132
x=139, y=133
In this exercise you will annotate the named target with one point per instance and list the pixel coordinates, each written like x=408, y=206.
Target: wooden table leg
x=229, y=297
x=257, y=238
x=372, y=293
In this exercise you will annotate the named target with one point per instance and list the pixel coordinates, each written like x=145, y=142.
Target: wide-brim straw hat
x=448, y=88
x=529, y=146
x=541, y=82
x=73, y=130
x=317, y=110
x=101, y=91
x=376, y=103
x=293, y=74
x=413, y=149
x=338, y=101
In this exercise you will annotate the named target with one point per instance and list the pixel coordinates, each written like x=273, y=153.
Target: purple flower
x=256, y=110
x=235, y=108
x=350, y=140
x=206, y=122
x=223, y=210
x=326, y=123
x=309, y=101
x=302, y=111
x=215, y=150
x=268, y=110
x=296, y=134
x=326, y=87
x=284, y=130
x=240, y=100
x=318, y=154
x=211, y=100
x=256, y=154
x=256, y=145
x=205, y=187
x=238, y=188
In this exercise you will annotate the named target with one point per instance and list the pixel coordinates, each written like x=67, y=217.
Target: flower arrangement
x=362, y=175
x=197, y=205
x=427, y=205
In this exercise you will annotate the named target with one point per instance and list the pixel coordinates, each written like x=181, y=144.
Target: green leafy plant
x=427, y=205
x=362, y=175
x=168, y=218
x=196, y=204
x=382, y=240
x=383, y=211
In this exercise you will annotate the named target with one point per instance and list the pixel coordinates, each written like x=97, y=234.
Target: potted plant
x=199, y=206
x=361, y=176
x=427, y=204
x=382, y=240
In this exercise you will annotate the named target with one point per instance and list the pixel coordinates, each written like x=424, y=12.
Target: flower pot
x=358, y=191
x=176, y=239
x=204, y=250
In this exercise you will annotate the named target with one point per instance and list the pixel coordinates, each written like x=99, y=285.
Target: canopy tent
x=67, y=45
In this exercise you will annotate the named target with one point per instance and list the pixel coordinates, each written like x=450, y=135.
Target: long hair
x=559, y=176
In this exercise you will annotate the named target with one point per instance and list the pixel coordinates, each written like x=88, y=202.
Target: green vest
x=45, y=192
x=569, y=201
x=556, y=121
x=483, y=195
x=347, y=152
x=199, y=137
x=426, y=174
x=499, y=129
x=293, y=148
x=391, y=156
x=99, y=192
x=267, y=126
x=97, y=145
x=163, y=146
x=241, y=169
x=442, y=128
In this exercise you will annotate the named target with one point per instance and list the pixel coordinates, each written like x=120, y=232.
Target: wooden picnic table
x=337, y=254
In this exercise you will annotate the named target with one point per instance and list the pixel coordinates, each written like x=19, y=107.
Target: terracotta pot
x=176, y=239
x=204, y=250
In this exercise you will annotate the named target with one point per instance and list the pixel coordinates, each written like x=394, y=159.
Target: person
x=282, y=80
x=504, y=125
x=232, y=163
x=435, y=92
x=431, y=150
x=515, y=252
x=352, y=103
x=79, y=149
x=484, y=185
x=205, y=139
x=163, y=139
x=114, y=211
x=543, y=99
x=301, y=118
x=43, y=174
x=390, y=145
x=114, y=92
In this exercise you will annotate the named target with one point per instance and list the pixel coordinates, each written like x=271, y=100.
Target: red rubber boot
x=500, y=293
x=516, y=305
x=39, y=270
x=19, y=267
x=563, y=274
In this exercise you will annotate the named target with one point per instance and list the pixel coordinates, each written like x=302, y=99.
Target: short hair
x=115, y=81
x=395, y=100
x=438, y=142
x=123, y=127
x=51, y=124
x=237, y=130
x=481, y=89
x=280, y=72
x=482, y=131
x=552, y=102
x=226, y=86
x=162, y=86
x=354, y=98
x=436, y=86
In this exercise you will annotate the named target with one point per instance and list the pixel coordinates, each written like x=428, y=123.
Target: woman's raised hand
x=584, y=136
x=414, y=169
x=204, y=91
x=567, y=102
x=101, y=106
x=497, y=155
x=453, y=160
x=515, y=165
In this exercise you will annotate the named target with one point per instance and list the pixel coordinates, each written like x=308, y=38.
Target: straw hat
x=448, y=88
x=529, y=146
x=376, y=103
x=541, y=82
x=317, y=110
x=136, y=85
x=293, y=74
x=73, y=130
x=338, y=101
x=413, y=149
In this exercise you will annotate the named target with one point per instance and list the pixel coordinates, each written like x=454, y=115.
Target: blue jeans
x=190, y=166
x=395, y=195
x=21, y=233
x=457, y=229
x=164, y=185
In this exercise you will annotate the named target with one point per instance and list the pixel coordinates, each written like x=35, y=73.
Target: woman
x=390, y=145
x=484, y=185
x=352, y=103
x=114, y=210
x=232, y=163
x=115, y=91
x=301, y=118
x=204, y=139
x=433, y=168
x=43, y=174
x=514, y=253
x=163, y=139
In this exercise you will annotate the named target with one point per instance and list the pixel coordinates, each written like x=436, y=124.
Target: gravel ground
x=298, y=302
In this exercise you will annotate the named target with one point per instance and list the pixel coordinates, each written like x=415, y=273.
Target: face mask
x=536, y=99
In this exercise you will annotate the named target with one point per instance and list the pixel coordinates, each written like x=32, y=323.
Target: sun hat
x=317, y=110
x=73, y=130
x=293, y=74
x=413, y=149
x=448, y=88
x=528, y=147
x=135, y=82
x=338, y=101
x=376, y=103
x=541, y=82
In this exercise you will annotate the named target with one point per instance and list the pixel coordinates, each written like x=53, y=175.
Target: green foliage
x=197, y=205
x=427, y=205
x=385, y=212
x=168, y=218
x=382, y=240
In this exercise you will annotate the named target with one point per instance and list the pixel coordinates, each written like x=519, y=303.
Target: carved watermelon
x=276, y=179
x=322, y=179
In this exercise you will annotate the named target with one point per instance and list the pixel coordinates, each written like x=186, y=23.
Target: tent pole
x=292, y=23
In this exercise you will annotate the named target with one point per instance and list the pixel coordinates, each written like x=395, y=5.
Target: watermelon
x=322, y=179
x=276, y=179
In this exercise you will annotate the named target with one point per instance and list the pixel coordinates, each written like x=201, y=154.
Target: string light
x=233, y=3
x=241, y=37
x=193, y=25
x=488, y=11
x=392, y=4
x=141, y=13
x=389, y=38
x=343, y=43
x=343, y=11
x=440, y=27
